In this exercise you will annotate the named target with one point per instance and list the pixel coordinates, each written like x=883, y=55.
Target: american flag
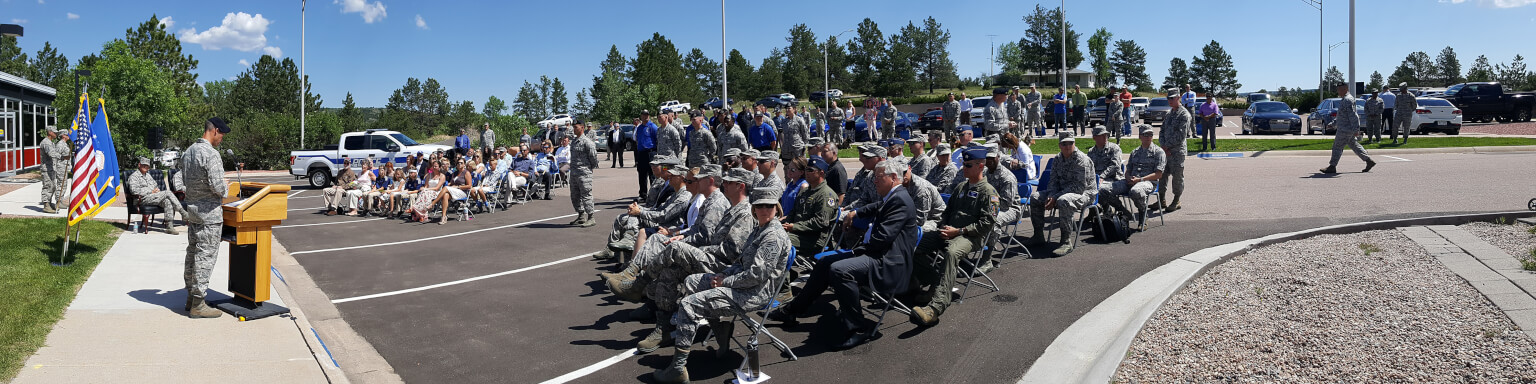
x=83, y=196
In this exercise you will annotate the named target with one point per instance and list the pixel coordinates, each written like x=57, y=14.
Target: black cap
x=645, y=112
x=999, y=91
x=219, y=123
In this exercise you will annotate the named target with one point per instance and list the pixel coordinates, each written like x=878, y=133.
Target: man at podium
x=205, y=188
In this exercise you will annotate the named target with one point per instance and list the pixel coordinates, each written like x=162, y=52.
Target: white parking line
x=433, y=237
x=592, y=368
x=457, y=282
x=330, y=223
x=1395, y=157
x=296, y=193
x=305, y=209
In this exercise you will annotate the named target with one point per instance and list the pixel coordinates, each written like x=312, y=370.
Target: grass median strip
x=1045, y=146
x=33, y=291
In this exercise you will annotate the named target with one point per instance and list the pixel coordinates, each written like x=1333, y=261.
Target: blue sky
x=482, y=48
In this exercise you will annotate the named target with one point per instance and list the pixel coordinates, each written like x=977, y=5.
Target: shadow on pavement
x=171, y=300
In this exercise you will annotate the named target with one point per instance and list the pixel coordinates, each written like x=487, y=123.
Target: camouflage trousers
x=934, y=268
x=167, y=203
x=581, y=190
x=666, y=265
x=622, y=237
x=1346, y=139
x=202, y=253
x=700, y=303
x=835, y=131
x=1173, y=173
x=887, y=129
x=1373, y=128
x=53, y=189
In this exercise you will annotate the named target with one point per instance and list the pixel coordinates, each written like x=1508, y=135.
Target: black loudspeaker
x=155, y=139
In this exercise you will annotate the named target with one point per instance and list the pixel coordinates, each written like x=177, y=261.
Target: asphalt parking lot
x=513, y=297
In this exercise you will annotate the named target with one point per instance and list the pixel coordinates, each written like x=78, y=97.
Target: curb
x=330, y=338
x=1406, y=151
x=1091, y=349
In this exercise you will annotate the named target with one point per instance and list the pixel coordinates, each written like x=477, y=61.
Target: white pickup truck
x=675, y=106
x=379, y=146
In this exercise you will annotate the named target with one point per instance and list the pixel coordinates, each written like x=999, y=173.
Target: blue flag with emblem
x=97, y=157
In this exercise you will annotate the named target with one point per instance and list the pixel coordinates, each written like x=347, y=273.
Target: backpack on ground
x=1116, y=225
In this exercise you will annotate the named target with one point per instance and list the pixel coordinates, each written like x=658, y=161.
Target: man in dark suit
x=883, y=258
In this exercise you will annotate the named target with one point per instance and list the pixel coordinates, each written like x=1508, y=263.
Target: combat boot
x=627, y=289
x=1328, y=170
x=170, y=227
x=677, y=371
x=723, y=331
x=588, y=222
x=579, y=218
x=629, y=272
x=1066, y=243
x=1368, y=165
x=605, y=254
x=924, y=316
x=50, y=208
x=200, y=310
x=660, y=336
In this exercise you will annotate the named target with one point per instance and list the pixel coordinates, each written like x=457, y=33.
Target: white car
x=560, y=119
x=675, y=106
x=169, y=157
x=833, y=93
x=375, y=145
x=979, y=110
x=1436, y=115
x=790, y=97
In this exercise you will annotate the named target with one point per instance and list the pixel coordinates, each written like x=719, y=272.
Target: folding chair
x=1082, y=215
x=1012, y=229
x=756, y=323
x=888, y=303
x=969, y=269
x=463, y=205
x=1141, y=224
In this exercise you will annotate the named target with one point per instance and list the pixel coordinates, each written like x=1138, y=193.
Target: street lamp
x=11, y=30
x=1330, y=51
x=826, y=69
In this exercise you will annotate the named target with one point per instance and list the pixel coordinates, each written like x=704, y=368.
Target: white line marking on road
x=433, y=237
x=592, y=368
x=457, y=282
x=1395, y=157
x=305, y=209
x=334, y=222
x=291, y=195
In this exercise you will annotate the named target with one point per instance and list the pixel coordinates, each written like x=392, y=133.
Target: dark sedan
x=932, y=120
x=774, y=102
x=714, y=103
x=1270, y=117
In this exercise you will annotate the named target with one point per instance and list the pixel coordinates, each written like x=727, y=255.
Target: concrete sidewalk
x=126, y=325
x=23, y=202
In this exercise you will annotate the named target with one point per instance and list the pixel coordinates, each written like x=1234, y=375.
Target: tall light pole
x=826, y=68
x=992, y=57
x=1319, y=5
x=303, y=78
x=1330, y=51
x=725, y=78
x=1352, y=47
x=1063, y=44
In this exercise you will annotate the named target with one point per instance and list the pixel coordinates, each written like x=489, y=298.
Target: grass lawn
x=1048, y=146
x=33, y=291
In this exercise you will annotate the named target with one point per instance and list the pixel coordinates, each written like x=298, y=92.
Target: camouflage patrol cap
x=708, y=170
x=740, y=175
x=1100, y=130
x=732, y=152
x=766, y=196
x=752, y=152
x=767, y=156
x=1144, y=130
x=944, y=149
x=144, y=161
x=1066, y=137
x=872, y=150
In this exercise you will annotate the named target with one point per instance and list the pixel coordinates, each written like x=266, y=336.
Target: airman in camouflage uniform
x=862, y=189
x=1106, y=160
x=1144, y=167
x=921, y=162
x=625, y=226
x=1374, y=106
x=583, y=160
x=835, y=124
x=57, y=157
x=888, y=120
x=701, y=142
x=792, y=136
x=204, y=176
x=995, y=115
x=930, y=205
x=767, y=167
x=1403, y=109
x=669, y=138
x=1032, y=106
x=1346, y=134
x=747, y=285
x=731, y=138
x=1007, y=187
x=1015, y=112
x=1113, y=118
x=150, y=194
x=1175, y=142
x=950, y=115
x=944, y=172
x=965, y=224
x=1070, y=189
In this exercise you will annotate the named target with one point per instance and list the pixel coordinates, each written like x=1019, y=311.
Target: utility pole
x=1063, y=44
x=1352, y=47
x=725, y=78
x=992, y=70
x=1319, y=5
x=303, y=78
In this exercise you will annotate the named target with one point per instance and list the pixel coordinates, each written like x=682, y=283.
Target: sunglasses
x=690, y=180
x=969, y=164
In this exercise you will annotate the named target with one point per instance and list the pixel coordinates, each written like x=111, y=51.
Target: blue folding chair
x=1141, y=223
x=1082, y=215
x=969, y=269
x=756, y=323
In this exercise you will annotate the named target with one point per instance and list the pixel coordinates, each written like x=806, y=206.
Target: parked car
x=1270, y=117
x=558, y=119
x=169, y=157
x=628, y=132
x=320, y=165
x=774, y=102
x=675, y=106
x=904, y=122
x=1436, y=115
x=714, y=103
x=835, y=93
x=931, y=120
x=1257, y=97
x=1321, y=119
x=786, y=96
x=1096, y=112
x=1488, y=101
x=1157, y=109
x=979, y=110
x=818, y=96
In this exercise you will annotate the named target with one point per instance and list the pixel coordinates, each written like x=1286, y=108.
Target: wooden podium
x=249, y=214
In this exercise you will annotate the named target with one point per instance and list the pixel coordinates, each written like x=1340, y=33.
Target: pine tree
x=1447, y=67
x=1098, y=51
x=1178, y=74
x=1130, y=64
x=1214, y=70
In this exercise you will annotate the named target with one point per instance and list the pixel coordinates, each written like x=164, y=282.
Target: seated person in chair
x=926, y=198
x=356, y=196
x=744, y=286
x=336, y=194
x=809, y=223
x=1142, y=171
x=1007, y=188
x=1069, y=189
x=544, y=164
x=882, y=259
x=967, y=220
x=1106, y=163
x=149, y=193
x=668, y=210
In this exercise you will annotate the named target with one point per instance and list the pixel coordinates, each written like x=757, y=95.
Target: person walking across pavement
x=1346, y=134
x=57, y=154
x=645, y=145
x=203, y=171
x=1175, y=144
x=1210, y=114
x=1373, y=111
x=1406, y=105
x=583, y=160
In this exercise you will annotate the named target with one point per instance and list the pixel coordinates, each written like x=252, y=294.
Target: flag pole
x=64, y=243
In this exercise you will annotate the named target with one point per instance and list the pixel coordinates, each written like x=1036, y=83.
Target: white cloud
x=371, y=11
x=1494, y=3
x=240, y=31
x=18, y=21
x=420, y=23
x=167, y=23
x=71, y=16
x=39, y=1
x=244, y=63
x=275, y=52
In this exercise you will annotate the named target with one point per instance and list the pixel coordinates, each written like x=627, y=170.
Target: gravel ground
x=1515, y=239
x=1527, y=128
x=1324, y=310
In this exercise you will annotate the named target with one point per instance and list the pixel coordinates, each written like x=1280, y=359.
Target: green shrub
x=1234, y=104
x=1303, y=102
